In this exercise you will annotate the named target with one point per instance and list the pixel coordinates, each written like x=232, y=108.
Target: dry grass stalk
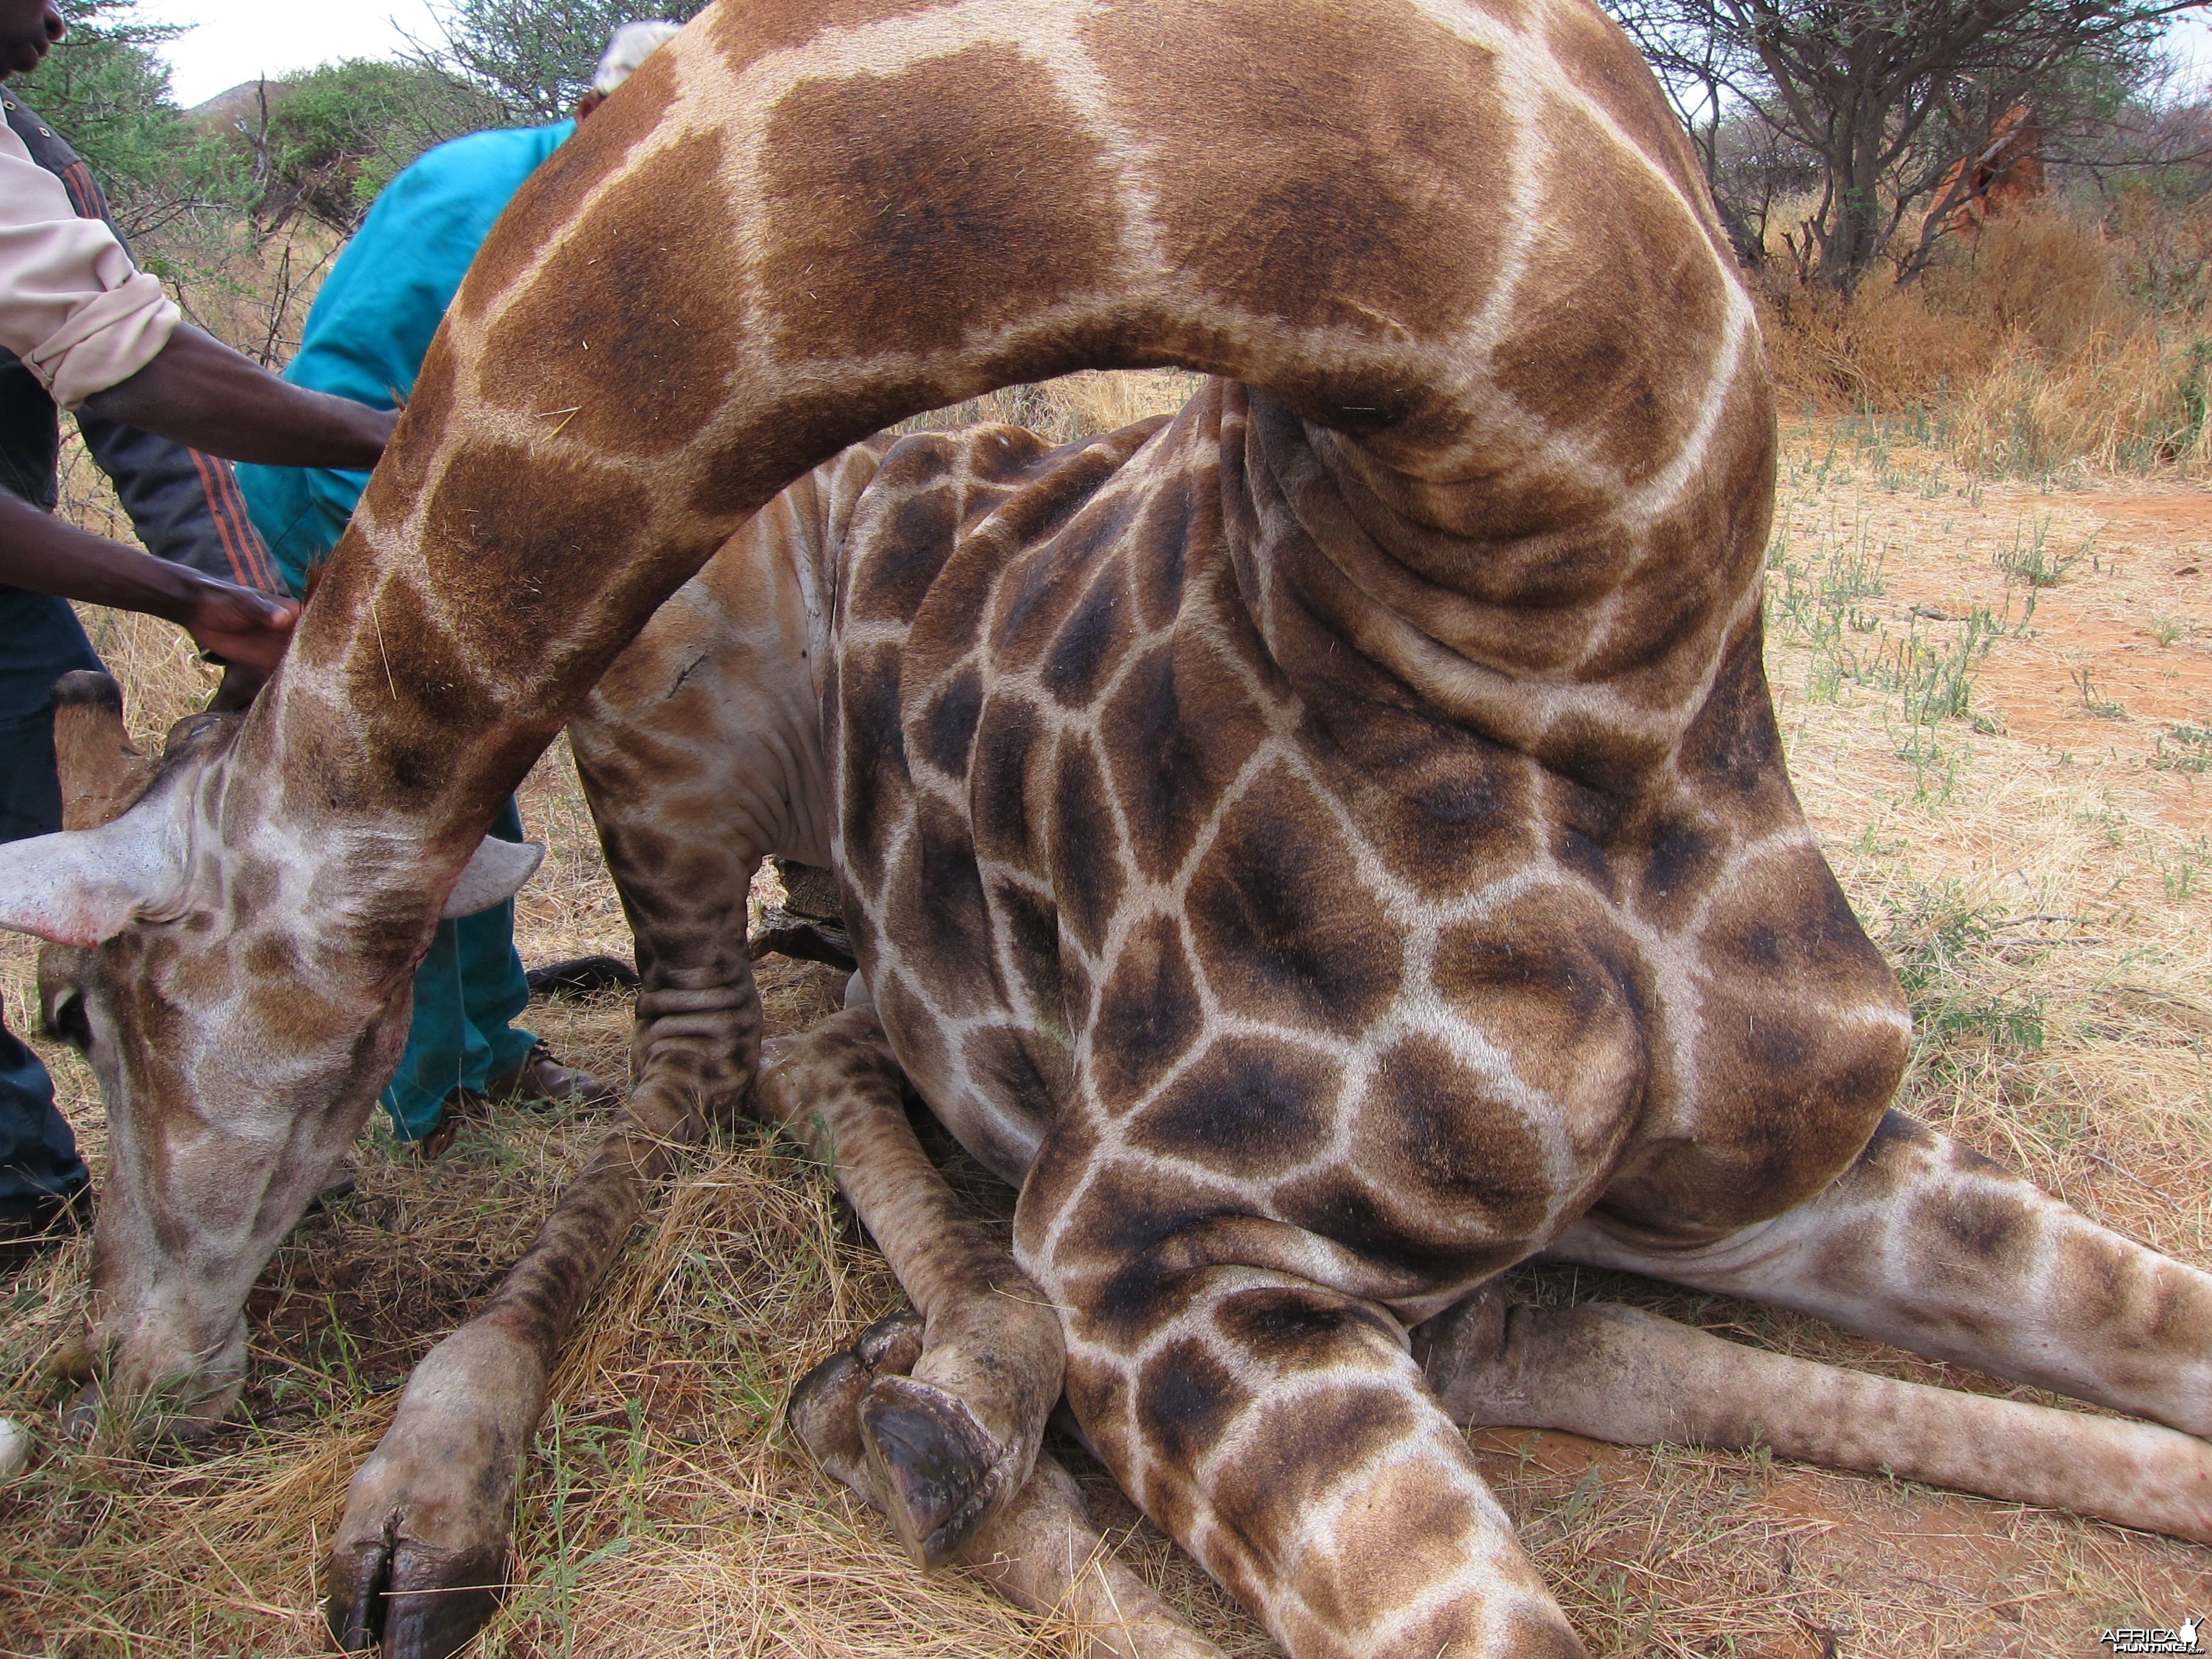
x=668, y=1513
x=2050, y=342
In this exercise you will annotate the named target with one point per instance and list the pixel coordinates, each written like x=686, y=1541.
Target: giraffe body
x=1135, y=841
x=1326, y=848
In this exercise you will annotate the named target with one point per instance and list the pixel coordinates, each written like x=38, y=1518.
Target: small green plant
x=1936, y=679
x=2103, y=708
x=2185, y=877
x=1870, y=845
x=1934, y=763
x=2165, y=629
x=2183, y=747
x=2107, y=821
x=2032, y=562
x=1939, y=944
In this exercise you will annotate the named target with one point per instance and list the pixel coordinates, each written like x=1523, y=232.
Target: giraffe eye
x=65, y=1018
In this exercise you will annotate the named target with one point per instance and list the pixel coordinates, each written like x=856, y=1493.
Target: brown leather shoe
x=461, y=1104
x=543, y=1078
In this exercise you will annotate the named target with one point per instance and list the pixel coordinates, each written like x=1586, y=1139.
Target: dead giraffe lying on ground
x=1450, y=578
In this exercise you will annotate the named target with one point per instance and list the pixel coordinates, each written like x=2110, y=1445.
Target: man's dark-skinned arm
x=44, y=554
x=196, y=390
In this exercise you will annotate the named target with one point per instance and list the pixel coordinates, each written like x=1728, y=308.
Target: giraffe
x=1448, y=577
x=671, y=746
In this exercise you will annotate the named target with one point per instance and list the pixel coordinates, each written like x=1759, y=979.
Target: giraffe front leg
x=682, y=859
x=419, y=1561
x=1041, y=1552
x=1620, y=1374
x=951, y=1433
x=1928, y=1245
x=1281, y=1432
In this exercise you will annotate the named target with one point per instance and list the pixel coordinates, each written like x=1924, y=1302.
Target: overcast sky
x=236, y=40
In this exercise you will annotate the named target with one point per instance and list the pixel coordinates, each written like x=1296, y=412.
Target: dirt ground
x=2020, y=806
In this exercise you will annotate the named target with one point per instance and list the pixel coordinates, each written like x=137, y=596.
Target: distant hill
x=241, y=103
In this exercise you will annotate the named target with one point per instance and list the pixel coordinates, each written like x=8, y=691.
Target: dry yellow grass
x=2052, y=344
x=2046, y=885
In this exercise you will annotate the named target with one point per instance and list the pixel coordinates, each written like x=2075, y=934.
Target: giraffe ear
x=83, y=886
x=494, y=875
x=100, y=773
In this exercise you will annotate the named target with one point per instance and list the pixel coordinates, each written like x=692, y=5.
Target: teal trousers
x=467, y=993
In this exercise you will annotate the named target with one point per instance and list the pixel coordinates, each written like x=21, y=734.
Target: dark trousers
x=40, y=643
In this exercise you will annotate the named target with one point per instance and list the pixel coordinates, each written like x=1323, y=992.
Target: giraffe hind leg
x=949, y=1433
x=1617, y=1373
x=1927, y=1245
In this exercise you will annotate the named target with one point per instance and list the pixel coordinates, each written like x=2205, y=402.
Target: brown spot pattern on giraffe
x=1399, y=146
x=1584, y=357
x=746, y=32
x=1603, y=66
x=1295, y=942
x=1444, y=810
x=637, y=292
x=1086, y=877
x=934, y=228
x=874, y=786
x=1148, y=1015
x=517, y=239
x=1263, y=1495
x=537, y=531
x=1245, y=1106
x=1406, y=1534
x=1180, y=728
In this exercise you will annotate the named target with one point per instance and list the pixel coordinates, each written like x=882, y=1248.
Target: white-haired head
x=632, y=43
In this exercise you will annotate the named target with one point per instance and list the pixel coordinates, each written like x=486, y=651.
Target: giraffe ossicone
x=1324, y=849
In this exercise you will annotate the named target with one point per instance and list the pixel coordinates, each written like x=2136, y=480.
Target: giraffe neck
x=1487, y=598
x=1464, y=453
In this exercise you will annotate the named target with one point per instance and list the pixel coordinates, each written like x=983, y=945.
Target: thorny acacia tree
x=327, y=142
x=1885, y=95
x=535, y=58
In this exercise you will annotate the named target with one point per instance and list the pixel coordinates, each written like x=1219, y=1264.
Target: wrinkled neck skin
x=1580, y=639
x=1528, y=451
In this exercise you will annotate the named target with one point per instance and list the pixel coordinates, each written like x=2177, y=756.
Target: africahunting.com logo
x=2183, y=1640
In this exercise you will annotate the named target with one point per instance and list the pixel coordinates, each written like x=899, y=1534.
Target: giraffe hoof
x=825, y=1405
x=934, y=1467
x=825, y=1414
x=414, y=1600
x=892, y=1345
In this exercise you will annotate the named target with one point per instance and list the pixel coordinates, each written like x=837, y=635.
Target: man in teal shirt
x=366, y=338
x=373, y=320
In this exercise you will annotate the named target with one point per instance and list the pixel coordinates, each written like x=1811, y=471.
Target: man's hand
x=240, y=625
x=48, y=556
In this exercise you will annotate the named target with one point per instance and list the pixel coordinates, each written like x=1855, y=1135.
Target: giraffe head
x=238, y=1059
